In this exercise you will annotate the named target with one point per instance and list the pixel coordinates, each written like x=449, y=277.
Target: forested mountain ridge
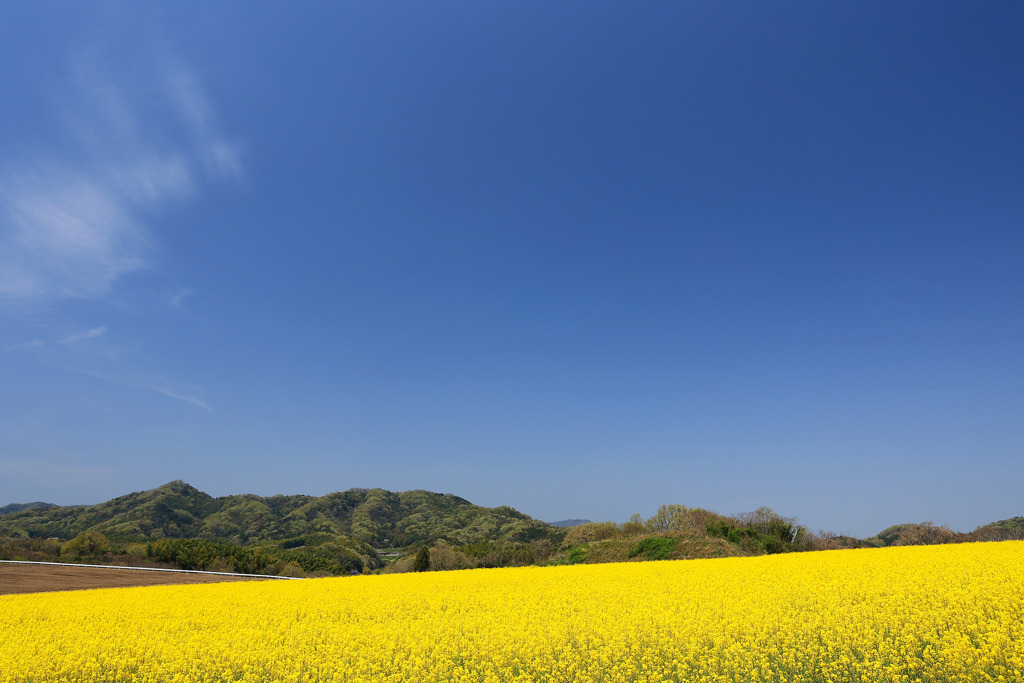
x=379, y=518
x=363, y=530
x=21, y=507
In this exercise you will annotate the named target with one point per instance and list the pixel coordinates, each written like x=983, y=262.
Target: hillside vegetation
x=364, y=530
x=178, y=525
x=20, y=507
x=375, y=517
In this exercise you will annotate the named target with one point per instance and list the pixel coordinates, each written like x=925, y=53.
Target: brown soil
x=31, y=578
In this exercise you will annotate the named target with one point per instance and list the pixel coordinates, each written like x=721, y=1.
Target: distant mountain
x=19, y=507
x=379, y=518
x=565, y=523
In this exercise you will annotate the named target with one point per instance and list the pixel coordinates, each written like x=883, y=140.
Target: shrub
x=590, y=532
x=443, y=558
x=577, y=554
x=292, y=569
x=925, y=533
x=86, y=544
x=760, y=531
x=654, y=548
x=680, y=518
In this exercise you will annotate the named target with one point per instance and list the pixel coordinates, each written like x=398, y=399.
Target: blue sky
x=579, y=258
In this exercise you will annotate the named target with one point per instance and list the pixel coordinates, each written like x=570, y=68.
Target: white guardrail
x=150, y=569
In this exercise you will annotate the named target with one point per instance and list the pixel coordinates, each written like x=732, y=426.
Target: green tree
x=634, y=526
x=669, y=518
x=86, y=544
x=443, y=558
x=292, y=569
x=422, y=561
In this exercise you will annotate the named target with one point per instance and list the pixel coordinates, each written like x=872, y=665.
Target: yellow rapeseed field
x=934, y=613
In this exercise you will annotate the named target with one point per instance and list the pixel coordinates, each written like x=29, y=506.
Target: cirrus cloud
x=70, y=227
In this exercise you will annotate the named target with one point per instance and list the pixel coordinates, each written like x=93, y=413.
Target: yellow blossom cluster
x=912, y=614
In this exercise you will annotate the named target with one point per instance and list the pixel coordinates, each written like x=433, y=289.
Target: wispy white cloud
x=220, y=158
x=161, y=387
x=71, y=227
x=72, y=338
x=181, y=397
x=77, y=212
x=87, y=334
x=30, y=344
x=175, y=299
x=153, y=180
x=65, y=236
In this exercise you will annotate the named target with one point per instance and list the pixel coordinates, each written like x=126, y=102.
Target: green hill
x=1014, y=525
x=363, y=530
x=21, y=507
x=379, y=518
x=927, y=533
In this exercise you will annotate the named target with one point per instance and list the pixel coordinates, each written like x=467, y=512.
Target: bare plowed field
x=28, y=578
